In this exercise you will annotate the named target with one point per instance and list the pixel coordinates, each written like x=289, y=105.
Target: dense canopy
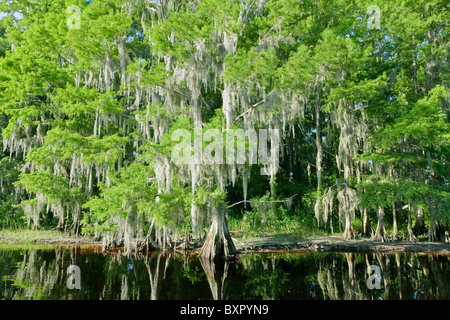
x=353, y=96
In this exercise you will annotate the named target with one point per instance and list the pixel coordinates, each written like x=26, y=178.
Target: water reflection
x=42, y=274
x=157, y=265
x=217, y=274
x=404, y=276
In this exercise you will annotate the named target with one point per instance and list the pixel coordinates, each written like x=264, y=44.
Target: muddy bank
x=77, y=241
x=336, y=244
x=268, y=243
x=42, y=237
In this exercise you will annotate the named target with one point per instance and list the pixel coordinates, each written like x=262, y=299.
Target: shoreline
x=268, y=243
x=338, y=244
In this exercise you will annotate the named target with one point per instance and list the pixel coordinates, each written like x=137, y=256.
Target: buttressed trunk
x=348, y=231
x=218, y=244
x=381, y=234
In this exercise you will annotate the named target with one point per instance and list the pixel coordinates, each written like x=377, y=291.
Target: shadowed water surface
x=41, y=273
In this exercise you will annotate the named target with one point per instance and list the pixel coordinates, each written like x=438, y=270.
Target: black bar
x=206, y=309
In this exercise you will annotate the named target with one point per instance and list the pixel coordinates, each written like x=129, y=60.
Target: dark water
x=28, y=273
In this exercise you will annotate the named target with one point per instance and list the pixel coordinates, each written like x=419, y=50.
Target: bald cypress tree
x=355, y=104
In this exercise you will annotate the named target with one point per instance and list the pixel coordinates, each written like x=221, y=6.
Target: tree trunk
x=414, y=64
x=331, y=222
x=394, y=222
x=435, y=231
x=156, y=238
x=366, y=232
x=420, y=224
x=167, y=240
x=381, y=234
x=411, y=236
x=218, y=244
x=195, y=217
x=348, y=231
x=318, y=159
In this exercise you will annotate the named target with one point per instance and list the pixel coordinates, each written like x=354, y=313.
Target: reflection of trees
x=217, y=274
x=127, y=277
x=399, y=275
x=406, y=276
x=432, y=276
x=157, y=265
x=42, y=274
x=341, y=283
x=325, y=277
x=440, y=273
x=115, y=284
x=352, y=287
x=262, y=277
x=384, y=263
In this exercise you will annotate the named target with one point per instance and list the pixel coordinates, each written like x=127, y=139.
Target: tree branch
x=266, y=35
x=253, y=107
x=288, y=200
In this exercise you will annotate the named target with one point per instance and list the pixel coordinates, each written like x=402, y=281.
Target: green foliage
x=88, y=116
x=11, y=217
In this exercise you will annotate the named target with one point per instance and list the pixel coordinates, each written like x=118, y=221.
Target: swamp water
x=42, y=273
